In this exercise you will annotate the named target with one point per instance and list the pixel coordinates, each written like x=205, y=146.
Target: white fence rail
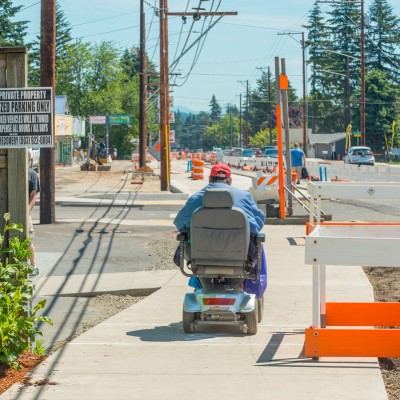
x=353, y=173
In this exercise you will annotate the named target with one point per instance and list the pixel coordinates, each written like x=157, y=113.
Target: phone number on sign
x=26, y=141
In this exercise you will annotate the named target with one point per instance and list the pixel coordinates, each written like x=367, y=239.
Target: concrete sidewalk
x=142, y=352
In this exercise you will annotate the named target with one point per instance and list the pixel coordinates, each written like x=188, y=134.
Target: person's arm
x=255, y=215
x=32, y=200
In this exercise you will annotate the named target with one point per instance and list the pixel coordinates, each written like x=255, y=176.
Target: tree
x=12, y=33
x=215, y=109
x=383, y=39
x=381, y=107
x=72, y=77
x=64, y=42
x=319, y=58
x=263, y=138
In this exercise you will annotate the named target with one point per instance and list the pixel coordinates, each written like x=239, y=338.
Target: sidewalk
x=142, y=352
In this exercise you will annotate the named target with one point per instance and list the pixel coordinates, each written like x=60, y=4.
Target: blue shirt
x=242, y=200
x=297, y=155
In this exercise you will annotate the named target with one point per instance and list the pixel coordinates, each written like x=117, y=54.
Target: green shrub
x=18, y=323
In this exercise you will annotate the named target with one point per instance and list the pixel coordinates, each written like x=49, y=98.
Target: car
x=271, y=153
x=257, y=151
x=35, y=160
x=359, y=155
x=267, y=147
x=248, y=153
x=237, y=152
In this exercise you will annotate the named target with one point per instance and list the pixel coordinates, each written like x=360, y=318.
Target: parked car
x=35, y=161
x=248, y=153
x=237, y=152
x=267, y=147
x=271, y=153
x=257, y=151
x=359, y=155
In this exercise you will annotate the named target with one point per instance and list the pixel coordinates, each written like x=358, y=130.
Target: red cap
x=221, y=170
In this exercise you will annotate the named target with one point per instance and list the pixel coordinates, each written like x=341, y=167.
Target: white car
x=34, y=164
x=359, y=155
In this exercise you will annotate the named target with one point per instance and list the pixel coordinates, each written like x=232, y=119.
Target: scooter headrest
x=218, y=198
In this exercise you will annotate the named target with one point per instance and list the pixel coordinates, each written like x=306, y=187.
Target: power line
x=25, y=8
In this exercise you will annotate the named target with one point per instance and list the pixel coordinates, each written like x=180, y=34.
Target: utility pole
x=348, y=114
x=240, y=121
x=142, y=89
x=231, y=129
x=47, y=79
x=269, y=107
x=362, y=105
x=303, y=51
x=164, y=141
x=164, y=84
x=282, y=206
x=247, y=114
x=305, y=116
x=285, y=109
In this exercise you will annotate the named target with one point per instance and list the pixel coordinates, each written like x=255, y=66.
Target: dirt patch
x=385, y=282
x=9, y=375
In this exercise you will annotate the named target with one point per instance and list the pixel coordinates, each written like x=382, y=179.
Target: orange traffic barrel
x=213, y=158
x=198, y=169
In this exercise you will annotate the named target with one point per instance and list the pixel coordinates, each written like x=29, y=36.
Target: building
x=68, y=131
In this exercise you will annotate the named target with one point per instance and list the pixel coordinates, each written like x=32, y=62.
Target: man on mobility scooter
x=221, y=243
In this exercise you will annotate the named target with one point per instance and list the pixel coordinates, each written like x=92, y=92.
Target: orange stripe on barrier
x=363, y=314
x=352, y=342
x=261, y=180
x=309, y=227
x=272, y=180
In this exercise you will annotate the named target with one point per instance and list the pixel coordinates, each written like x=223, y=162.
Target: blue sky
x=232, y=53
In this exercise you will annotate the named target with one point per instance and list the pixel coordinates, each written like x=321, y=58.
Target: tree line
x=102, y=78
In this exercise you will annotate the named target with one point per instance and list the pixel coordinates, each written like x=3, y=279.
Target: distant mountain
x=184, y=110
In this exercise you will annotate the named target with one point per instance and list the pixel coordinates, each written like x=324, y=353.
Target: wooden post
x=14, y=177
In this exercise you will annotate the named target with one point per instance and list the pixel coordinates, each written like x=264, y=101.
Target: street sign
x=26, y=118
x=120, y=119
x=172, y=136
x=357, y=134
x=171, y=117
x=98, y=119
x=171, y=101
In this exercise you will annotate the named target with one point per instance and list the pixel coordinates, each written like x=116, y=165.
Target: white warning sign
x=26, y=118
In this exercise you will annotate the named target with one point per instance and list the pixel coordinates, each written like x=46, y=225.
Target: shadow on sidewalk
x=174, y=333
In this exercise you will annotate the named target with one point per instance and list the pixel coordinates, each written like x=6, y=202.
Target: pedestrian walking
x=298, y=159
x=33, y=189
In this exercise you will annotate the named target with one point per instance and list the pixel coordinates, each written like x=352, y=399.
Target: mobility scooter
x=216, y=251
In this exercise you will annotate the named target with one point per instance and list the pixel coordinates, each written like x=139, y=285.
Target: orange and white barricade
x=197, y=169
x=213, y=158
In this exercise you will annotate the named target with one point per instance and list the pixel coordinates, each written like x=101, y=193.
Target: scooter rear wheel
x=251, y=320
x=187, y=320
x=260, y=301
